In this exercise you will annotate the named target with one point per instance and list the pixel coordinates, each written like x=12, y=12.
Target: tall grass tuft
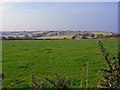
x=82, y=76
x=86, y=82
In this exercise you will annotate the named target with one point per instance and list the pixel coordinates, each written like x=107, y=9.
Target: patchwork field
x=42, y=58
x=53, y=34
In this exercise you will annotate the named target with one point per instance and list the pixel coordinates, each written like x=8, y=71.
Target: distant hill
x=54, y=34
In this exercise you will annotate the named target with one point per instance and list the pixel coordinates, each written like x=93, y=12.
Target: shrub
x=84, y=36
x=73, y=37
x=92, y=35
x=111, y=75
x=61, y=82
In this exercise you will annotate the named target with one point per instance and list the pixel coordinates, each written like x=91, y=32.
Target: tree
x=87, y=35
x=11, y=38
x=73, y=37
x=100, y=35
x=55, y=33
x=33, y=37
x=17, y=38
x=65, y=38
x=52, y=34
x=79, y=34
x=3, y=38
x=26, y=37
x=39, y=35
x=92, y=35
x=84, y=36
x=61, y=33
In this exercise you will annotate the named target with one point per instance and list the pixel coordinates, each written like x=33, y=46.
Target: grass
x=42, y=58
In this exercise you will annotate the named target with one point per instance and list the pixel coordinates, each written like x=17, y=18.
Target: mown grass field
x=42, y=58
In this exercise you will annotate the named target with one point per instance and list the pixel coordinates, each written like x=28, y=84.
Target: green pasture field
x=42, y=58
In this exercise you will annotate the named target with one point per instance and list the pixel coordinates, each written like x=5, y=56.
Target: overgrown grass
x=44, y=57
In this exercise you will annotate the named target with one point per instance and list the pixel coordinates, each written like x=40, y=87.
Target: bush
x=84, y=36
x=111, y=75
x=73, y=37
x=92, y=35
x=61, y=82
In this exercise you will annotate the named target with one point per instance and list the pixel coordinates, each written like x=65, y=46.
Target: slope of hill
x=54, y=34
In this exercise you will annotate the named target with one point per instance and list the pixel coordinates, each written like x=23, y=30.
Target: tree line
x=87, y=35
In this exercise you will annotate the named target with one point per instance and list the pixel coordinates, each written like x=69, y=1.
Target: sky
x=44, y=16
